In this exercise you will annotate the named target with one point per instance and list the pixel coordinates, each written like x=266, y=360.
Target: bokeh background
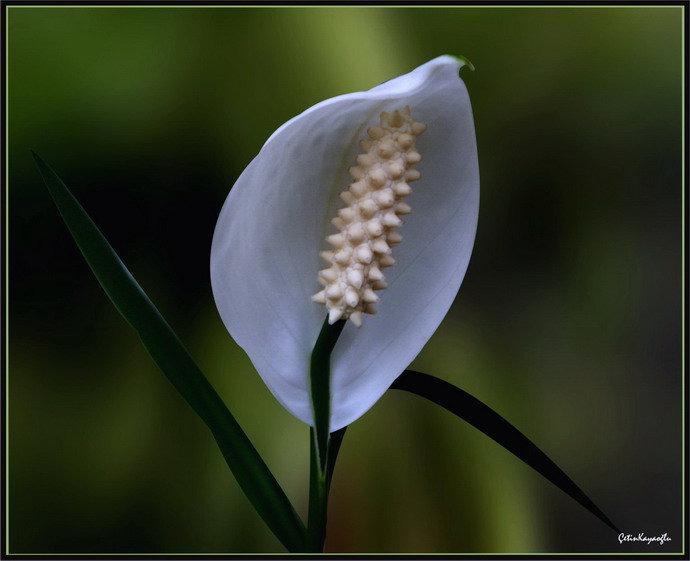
x=568, y=322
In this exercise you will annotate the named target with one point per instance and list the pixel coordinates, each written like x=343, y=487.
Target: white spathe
x=265, y=253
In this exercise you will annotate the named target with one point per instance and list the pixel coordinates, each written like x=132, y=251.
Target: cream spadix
x=366, y=224
x=284, y=215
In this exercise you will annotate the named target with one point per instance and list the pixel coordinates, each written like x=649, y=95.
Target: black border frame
x=3, y=288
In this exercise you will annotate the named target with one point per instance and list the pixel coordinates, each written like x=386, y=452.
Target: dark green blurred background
x=568, y=322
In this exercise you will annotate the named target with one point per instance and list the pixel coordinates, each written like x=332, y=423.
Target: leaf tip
x=40, y=163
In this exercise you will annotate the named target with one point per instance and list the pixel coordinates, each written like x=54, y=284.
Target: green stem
x=320, y=379
x=318, y=492
x=318, y=500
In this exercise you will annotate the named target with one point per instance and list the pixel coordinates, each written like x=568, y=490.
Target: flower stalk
x=320, y=380
x=318, y=499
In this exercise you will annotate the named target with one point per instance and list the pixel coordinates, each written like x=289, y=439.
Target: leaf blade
x=252, y=474
x=485, y=419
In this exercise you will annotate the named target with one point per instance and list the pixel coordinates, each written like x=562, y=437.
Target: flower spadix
x=367, y=223
x=329, y=185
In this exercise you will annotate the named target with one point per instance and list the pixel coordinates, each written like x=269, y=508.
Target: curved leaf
x=252, y=474
x=485, y=419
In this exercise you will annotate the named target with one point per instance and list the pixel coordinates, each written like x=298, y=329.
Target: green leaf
x=252, y=474
x=485, y=419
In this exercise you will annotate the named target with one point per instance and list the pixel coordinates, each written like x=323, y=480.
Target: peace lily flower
x=329, y=186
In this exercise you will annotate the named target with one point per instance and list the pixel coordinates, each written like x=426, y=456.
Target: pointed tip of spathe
x=464, y=61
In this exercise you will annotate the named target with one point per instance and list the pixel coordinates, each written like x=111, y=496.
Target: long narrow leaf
x=496, y=427
x=172, y=357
